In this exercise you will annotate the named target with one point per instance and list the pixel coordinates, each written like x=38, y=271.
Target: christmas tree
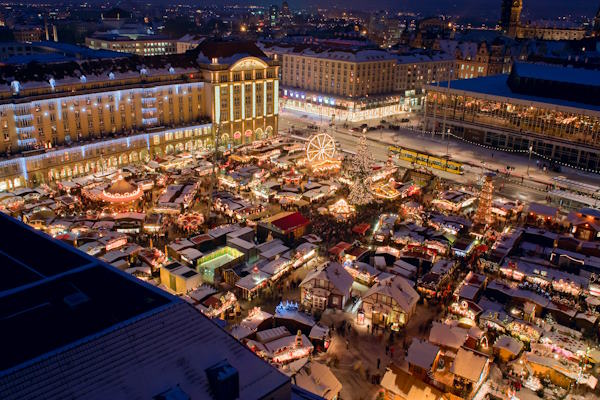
x=360, y=170
x=483, y=215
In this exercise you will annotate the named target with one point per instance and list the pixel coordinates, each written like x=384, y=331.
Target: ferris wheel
x=320, y=147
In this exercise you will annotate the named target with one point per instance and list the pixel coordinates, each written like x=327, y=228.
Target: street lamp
x=529, y=161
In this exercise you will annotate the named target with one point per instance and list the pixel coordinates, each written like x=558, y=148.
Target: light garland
x=506, y=150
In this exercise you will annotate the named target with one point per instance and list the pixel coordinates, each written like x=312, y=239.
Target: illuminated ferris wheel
x=320, y=147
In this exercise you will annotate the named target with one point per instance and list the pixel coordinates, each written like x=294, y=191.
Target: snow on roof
x=268, y=335
x=223, y=230
x=469, y=365
x=422, y=354
x=422, y=57
x=497, y=86
x=543, y=210
x=319, y=332
x=399, y=289
x=447, y=336
x=317, y=378
x=277, y=345
x=252, y=280
x=509, y=343
x=297, y=316
x=558, y=74
x=201, y=292
x=335, y=274
x=241, y=332
x=405, y=386
x=180, y=244
x=191, y=253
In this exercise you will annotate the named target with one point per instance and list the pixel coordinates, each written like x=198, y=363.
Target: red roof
x=343, y=245
x=361, y=229
x=201, y=239
x=290, y=222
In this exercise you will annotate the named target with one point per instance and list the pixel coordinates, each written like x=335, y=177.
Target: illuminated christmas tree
x=483, y=215
x=361, y=170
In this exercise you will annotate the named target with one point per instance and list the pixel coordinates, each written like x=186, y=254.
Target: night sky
x=534, y=9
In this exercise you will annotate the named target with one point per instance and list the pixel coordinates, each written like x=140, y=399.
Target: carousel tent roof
x=121, y=191
x=121, y=186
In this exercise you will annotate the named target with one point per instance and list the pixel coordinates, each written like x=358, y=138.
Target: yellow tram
x=441, y=163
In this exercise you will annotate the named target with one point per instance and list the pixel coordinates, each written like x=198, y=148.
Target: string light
x=507, y=150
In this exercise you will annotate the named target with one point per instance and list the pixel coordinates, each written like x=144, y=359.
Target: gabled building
x=390, y=302
x=328, y=286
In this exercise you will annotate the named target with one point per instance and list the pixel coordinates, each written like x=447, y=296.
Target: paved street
x=519, y=186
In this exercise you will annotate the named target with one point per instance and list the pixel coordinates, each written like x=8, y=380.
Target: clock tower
x=511, y=16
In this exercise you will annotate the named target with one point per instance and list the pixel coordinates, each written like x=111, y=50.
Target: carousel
x=121, y=192
x=320, y=154
x=190, y=222
x=341, y=209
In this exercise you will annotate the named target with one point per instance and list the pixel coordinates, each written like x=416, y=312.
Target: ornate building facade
x=511, y=24
x=229, y=85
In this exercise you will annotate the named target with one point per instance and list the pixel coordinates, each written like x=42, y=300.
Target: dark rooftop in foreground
x=75, y=327
x=51, y=295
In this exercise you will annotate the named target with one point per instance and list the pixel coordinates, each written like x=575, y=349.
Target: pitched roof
x=469, y=365
x=318, y=378
x=290, y=221
x=447, y=336
x=408, y=387
x=398, y=289
x=422, y=354
x=333, y=273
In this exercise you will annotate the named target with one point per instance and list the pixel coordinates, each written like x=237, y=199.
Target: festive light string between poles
x=507, y=150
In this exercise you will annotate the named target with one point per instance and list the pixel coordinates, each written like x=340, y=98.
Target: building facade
x=230, y=87
x=147, y=45
x=557, y=118
x=511, y=24
x=354, y=83
x=414, y=71
x=344, y=84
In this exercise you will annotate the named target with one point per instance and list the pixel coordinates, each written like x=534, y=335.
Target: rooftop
x=68, y=316
x=497, y=87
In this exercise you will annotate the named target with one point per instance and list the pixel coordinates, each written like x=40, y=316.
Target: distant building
x=274, y=15
x=27, y=33
x=512, y=25
x=115, y=18
x=142, y=45
x=596, y=28
x=188, y=42
x=416, y=69
x=285, y=10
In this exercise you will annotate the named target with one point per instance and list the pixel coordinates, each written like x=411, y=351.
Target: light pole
x=529, y=161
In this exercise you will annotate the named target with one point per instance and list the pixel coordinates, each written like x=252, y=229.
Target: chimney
x=224, y=381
